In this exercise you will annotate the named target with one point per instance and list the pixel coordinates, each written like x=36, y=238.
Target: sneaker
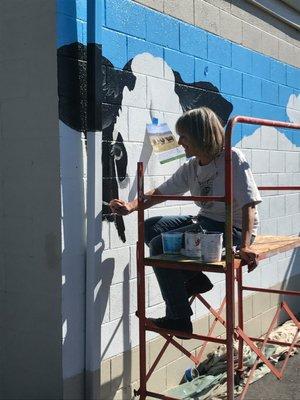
x=183, y=324
x=200, y=283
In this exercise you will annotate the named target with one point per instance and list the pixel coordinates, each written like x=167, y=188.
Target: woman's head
x=203, y=129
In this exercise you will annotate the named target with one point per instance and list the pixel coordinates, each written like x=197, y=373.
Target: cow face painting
x=146, y=82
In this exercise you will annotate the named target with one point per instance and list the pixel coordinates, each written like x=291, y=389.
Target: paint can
x=211, y=246
x=192, y=241
x=190, y=374
x=172, y=242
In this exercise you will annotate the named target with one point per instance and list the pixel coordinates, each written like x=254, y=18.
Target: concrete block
x=292, y=203
x=231, y=81
x=231, y=27
x=175, y=370
x=278, y=72
x=138, y=46
x=286, y=52
x=131, y=232
x=138, y=95
x=157, y=86
x=264, y=208
x=269, y=227
x=296, y=224
x=162, y=30
x=284, y=95
x=292, y=162
x=158, y=381
x=36, y=379
x=114, y=266
x=207, y=71
x=252, y=37
x=269, y=45
x=261, y=303
x=114, y=47
x=171, y=354
x=207, y=16
x=270, y=92
x=260, y=161
x=155, y=296
x=241, y=58
x=277, y=206
x=156, y=4
x=193, y=40
x=296, y=56
x=105, y=377
x=30, y=158
x=34, y=272
x=125, y=16
x=69, y=30
x=181, y=10
x=138, y=118
x=270, y=180
x=123, y=299
x=277, y=161
x=118, y=337
x=292, y=76
x=253, y=327
x=252, y=87
x=285, y=225
x=125, y=369
x=268, y=138
x=28, y=312
x=40, y=17
x=266, y=320
x=261, y=65
x=283, y=142
x=219, y=50
x=181, y=63
x=43, y=125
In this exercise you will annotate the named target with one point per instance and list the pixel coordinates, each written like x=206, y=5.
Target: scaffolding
x=232, y=267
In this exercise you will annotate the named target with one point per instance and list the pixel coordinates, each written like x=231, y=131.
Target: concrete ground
x=270, y=388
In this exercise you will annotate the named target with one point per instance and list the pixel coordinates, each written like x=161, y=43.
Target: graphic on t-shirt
x=206, y=189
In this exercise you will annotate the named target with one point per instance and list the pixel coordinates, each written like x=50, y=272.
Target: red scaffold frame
x=232, y=268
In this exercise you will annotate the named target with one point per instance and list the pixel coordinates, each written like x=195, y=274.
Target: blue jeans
x=171, y=281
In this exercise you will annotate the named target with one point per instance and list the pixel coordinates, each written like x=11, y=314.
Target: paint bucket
x=172, y=242
x=192, y=241
x=190, y=374
x=211, y=246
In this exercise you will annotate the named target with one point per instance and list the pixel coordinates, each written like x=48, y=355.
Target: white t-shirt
x=209, y=180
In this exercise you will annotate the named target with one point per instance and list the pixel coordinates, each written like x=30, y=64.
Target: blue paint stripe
x=70, y=30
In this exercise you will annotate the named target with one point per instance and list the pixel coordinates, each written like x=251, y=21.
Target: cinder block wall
x=30, y=250
x=160, y=57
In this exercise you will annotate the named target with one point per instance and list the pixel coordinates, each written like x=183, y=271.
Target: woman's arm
x=246, y=253
x=122, y=207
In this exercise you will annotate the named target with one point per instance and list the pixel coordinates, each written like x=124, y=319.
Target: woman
x=202, y=136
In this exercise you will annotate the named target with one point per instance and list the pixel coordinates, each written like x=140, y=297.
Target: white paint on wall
x=73, y=222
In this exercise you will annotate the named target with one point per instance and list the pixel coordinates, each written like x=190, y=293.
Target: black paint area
x=90, y=99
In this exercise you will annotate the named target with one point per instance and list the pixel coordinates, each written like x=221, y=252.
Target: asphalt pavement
x=270, y=388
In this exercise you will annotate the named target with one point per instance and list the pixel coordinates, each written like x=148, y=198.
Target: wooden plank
x=264, y=246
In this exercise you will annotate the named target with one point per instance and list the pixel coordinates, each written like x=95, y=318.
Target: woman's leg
x=170, y=281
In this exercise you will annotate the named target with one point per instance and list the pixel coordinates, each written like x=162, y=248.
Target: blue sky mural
x=256, y=85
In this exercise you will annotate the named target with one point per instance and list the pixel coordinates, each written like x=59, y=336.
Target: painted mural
x=117, y=86
x=148, y=64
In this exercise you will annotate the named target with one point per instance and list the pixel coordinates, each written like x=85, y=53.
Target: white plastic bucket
x=192, y=243
x=211, y=246
x=172, y=242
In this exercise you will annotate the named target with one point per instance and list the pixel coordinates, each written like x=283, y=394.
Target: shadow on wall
x=111, y=85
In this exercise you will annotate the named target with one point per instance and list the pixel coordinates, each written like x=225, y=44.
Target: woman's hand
x=120, y=207
x=250, y=258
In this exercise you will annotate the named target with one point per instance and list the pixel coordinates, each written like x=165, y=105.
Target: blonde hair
x=205, y=129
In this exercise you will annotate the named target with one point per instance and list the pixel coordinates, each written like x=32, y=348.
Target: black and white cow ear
x=202, y=94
